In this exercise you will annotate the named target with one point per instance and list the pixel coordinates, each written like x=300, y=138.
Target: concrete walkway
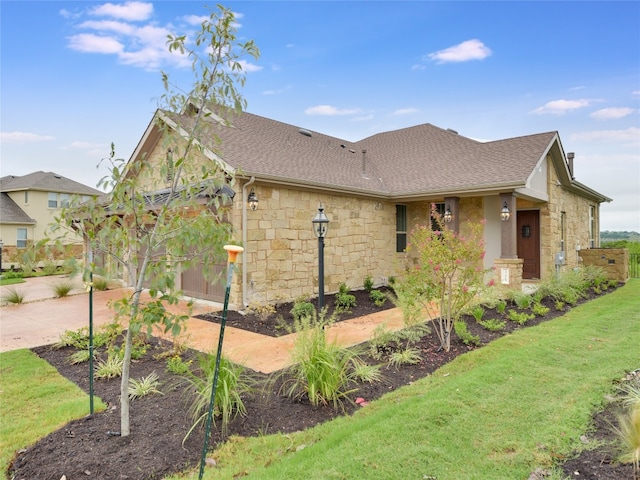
x=43, y=318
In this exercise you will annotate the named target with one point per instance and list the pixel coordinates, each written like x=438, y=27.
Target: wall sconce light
x=252, y=200
x=448, y=216
x=505, y=213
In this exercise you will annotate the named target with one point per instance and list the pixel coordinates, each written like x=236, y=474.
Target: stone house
x=537, y=216
x=28, y=205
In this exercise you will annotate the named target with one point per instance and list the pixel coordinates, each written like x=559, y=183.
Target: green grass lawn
x=496, y=413
x=34, y=401
x=11, y=281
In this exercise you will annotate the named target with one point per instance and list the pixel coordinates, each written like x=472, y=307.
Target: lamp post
x=320, y=227
x=232, y=255
x=1, y=245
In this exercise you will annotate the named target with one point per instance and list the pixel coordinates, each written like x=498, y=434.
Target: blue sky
x=76, y=76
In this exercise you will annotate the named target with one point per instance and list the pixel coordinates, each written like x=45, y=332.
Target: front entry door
x=529, y=243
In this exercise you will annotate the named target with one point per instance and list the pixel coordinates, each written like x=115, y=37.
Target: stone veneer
x=614, y=261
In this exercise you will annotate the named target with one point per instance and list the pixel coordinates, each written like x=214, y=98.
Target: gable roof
x=416, y=161
x=45, y=181
x=10, y=212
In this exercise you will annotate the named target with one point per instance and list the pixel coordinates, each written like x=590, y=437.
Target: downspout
x=245, y=301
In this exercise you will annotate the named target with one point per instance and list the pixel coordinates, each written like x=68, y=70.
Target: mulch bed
x=87, y=448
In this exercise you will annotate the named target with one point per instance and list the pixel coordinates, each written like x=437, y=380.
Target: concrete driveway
x=43, y=318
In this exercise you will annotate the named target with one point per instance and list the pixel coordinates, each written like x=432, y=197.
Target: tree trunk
x=125, y=429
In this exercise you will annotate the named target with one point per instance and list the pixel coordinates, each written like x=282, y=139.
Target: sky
x=76, y=77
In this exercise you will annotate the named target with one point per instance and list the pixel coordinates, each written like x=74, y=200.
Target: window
x=401, y=228
x=53, y=200
x=26, y=197
x=64, y=200
x=439, y=208
x=592, y=226
x=169, y=166
x=21, y=238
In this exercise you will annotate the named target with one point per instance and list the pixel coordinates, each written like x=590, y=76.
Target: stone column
x=453, y=203
x=509, y=234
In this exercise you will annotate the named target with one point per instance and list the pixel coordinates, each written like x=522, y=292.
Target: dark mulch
x=86, y=448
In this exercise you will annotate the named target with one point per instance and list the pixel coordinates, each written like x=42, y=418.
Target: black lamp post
x=1, y=245
x=320, y=227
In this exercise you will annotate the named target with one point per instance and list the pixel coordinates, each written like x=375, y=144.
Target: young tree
x=444, y=273
x=159, y=217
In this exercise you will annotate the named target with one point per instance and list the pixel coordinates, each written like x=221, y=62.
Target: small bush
x=501, y=307
x=262, y=310
x=100, y=283
x=407, y=356
x=539, y=310
x=364, y=372
x=13, y=296
x=377, y=297
x=559, y=305
x=146, y=386
x=368, y=283
x=520, y=318
x=12, y=274
x=302, y=309
x=493, y=325
x=478, y=312
x=523, y=301
x=464, y=334
x=109, y=368
x=81, y=356
x=175, y=364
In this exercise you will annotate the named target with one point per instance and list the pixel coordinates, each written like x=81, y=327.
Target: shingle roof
x=10, y=212
x=45, y=181
x=414, y=160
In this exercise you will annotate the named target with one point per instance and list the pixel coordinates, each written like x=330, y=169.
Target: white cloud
x=249, y=67
x=418, y=66
x=109, y=26
x=131, y=11
x=23, y=137
x=636, y=93
x=329, y=110
x=629, y=137
x=612, y=113
x=463, y=52
x=560, y=107
x=405, y=111
x=90, y=43
x=195, y=19
x=277, y=91
x=579, y=87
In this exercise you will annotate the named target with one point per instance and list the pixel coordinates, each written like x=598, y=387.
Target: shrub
x=364, y=372
x=262, y=310
x=100, y=283
x=321, y=370
x=523, y=301
x=628, y=428
x=445, y=274
x=493, y=324
x=12, y=274
x=539, y=310
x=13, y=295
x=344, y=300
x=501, y=307
x=477, y=312
x=520, y=317
x=302, y=309
x=109, y=368
x=377, y=297
x=232, y=384
x=559, y=305
x=146, y=386
x=386, y=342
x=368, y=283
x=175, y=364
x=80, y=356
x=407, y=356
x=464, y=334
x=62, y=288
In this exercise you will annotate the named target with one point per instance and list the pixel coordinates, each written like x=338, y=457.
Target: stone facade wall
x=614, y=261
x=509, y=273
x=282, y=251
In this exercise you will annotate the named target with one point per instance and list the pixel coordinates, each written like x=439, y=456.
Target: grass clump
x=145, y=386
x=13, y=295
x=109, y=368
x=62, y=288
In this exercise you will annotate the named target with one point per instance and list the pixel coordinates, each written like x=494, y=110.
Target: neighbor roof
x=45, y=181
x=10, y=212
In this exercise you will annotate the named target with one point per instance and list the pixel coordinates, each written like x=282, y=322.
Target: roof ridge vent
x=305, y=132
x=452, y=131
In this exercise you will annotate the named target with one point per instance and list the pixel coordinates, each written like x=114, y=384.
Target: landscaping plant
x=444, y=273
x=13, y=295
x=62, y=288
x=154, y=237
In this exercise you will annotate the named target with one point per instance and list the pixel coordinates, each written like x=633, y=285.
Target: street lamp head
x=320, y=223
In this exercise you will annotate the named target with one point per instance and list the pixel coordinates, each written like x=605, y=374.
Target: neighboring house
x=28, y=205
x=375, y=191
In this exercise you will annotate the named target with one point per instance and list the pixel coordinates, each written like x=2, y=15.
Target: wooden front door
x=529, y=242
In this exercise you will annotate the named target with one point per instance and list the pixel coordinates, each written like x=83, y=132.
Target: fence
x=634, y=265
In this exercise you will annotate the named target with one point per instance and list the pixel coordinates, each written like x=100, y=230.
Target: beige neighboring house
x=28, y=205
x=375, y=191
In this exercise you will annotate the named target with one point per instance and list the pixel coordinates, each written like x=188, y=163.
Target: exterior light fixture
x=252, y=200
x=320, y=227
x=505, y=213
x=448, y=216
